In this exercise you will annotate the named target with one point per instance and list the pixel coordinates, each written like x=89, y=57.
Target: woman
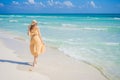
x=36, y=44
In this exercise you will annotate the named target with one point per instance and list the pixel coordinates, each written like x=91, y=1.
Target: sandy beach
x=16, y=59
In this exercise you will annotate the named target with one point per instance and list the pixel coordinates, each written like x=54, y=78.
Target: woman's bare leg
x=34, y=63
x=35, y=60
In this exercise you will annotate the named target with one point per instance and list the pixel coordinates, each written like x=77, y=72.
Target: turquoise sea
x=93, y=38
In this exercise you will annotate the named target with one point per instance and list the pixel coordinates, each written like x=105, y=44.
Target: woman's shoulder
x=37, y=28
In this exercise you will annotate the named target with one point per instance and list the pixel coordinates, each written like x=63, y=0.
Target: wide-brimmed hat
x=34, y=22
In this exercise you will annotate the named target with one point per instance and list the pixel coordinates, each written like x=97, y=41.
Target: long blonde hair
x=31, y=27
x=33, y=24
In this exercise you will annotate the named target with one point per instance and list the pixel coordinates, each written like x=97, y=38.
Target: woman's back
x=34, y=31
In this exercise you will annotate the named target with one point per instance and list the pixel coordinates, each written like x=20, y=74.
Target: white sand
x=8, y=67
x=52, y=65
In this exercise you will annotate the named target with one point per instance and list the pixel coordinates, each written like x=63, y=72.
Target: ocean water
x=93, y=38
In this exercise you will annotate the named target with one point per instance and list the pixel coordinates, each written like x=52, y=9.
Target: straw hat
x=34, y=22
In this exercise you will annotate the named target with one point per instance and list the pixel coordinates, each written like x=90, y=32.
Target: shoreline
x=28, y=57
x=102, y=72
x=96, y=67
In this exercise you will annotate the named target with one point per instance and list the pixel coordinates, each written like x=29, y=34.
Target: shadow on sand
x=15, y=62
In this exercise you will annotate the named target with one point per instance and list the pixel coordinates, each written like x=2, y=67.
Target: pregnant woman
x=36, y=44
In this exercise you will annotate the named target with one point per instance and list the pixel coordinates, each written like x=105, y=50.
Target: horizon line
x=59, y=13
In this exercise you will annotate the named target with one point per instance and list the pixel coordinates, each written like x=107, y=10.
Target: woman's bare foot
x=34, y=64
x=31, y=68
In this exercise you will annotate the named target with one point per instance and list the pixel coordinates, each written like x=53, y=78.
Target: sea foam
x=116, y=18
x=13, y=20
x=26, y=24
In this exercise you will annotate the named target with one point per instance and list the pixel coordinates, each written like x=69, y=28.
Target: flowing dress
x=36, y=45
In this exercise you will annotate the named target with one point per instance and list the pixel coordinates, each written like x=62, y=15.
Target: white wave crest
x=68, y=25
x=112, y=43
x=91, y=18
x=13, y=20
x=74, y=27
x=98, y=29
x=15, y=16
x=33, y=16
x=50, y=40
x=43, y=23
x=116, y=18
x=26, y=24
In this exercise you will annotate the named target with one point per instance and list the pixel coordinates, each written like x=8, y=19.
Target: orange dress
x=36, y=44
